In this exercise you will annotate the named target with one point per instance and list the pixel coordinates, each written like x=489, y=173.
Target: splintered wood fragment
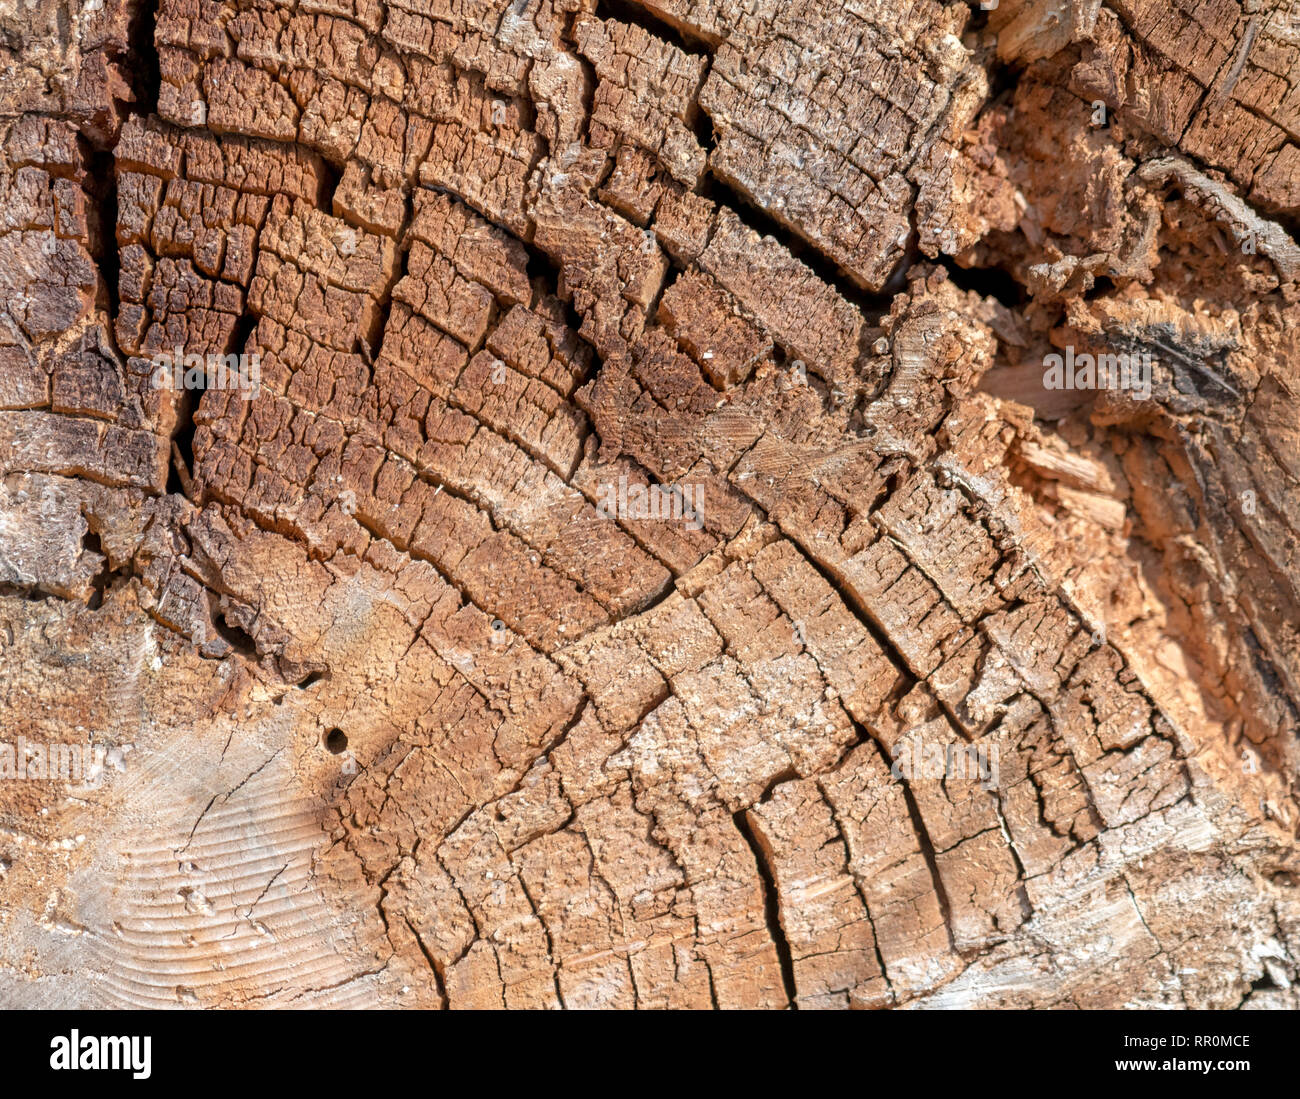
x=1247, y=228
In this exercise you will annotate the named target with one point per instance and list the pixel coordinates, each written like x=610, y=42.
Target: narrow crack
x=771, y=906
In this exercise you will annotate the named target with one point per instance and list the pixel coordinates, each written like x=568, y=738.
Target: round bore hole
x=498, y=625
x=336, y=741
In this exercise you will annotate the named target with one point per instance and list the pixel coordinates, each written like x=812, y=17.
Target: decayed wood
x=647, y=476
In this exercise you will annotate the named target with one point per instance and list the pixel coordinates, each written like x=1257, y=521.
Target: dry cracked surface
x=394, y=708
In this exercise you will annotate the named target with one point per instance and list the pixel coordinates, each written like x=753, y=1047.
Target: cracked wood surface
x=400, y=712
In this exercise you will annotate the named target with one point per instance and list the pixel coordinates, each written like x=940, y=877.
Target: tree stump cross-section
x=655, y=503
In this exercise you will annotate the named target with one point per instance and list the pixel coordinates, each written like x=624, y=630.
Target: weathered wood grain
x=648, y=475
